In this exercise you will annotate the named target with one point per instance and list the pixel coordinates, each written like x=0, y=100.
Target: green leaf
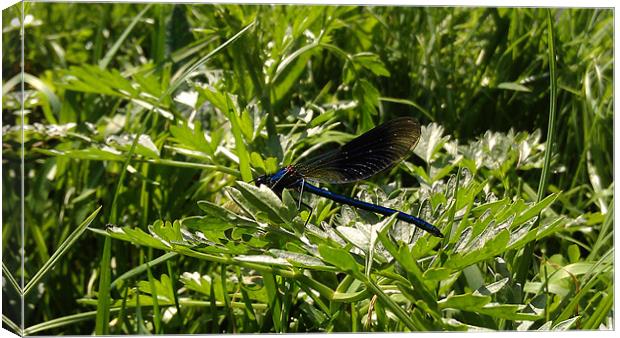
x=421, y=286
x=566, y=324
x=358, y=238
x=573, y=253
x=192, y=138
x=339, y=258
x=431, y=141
x=216, y=98
x=436, y=274
x=240, y=146
x=482, y=305
x=467, y=302
x=100, y=154
x=535, y=209
x=137, y=236
x=263, y=199
x=371, y=62
x=203, y=284
x=491, y=288
x=299, y=259
x=263, y=259
x=145, y=146
x=167, y=232
x=226, y=217
x=507, y=311
x=289, y=71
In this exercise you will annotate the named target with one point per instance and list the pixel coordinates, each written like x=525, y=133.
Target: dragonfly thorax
x=283, y=178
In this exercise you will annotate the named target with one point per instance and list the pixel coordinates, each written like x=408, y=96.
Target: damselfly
x=362, y=157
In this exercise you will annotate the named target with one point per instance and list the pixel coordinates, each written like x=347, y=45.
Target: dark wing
x=364, y=156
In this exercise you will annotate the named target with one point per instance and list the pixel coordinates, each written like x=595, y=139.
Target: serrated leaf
x=224, y=215
x=535, y=209
x=299, y=259
x=206, y=223
x=431, y=141
x=167, y=231
x=490, y=249
x=265, y=200
x=263, y=259
x=99, y=154
x=191, y=138
x=371, y=62
x=163, y=288
x=354, y=236
x=137, y=236
x=144, y=147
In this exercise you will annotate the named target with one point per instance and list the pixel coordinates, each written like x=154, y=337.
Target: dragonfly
x=366, y=155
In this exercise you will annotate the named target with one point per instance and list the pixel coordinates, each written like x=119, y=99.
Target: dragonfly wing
x=365, y=155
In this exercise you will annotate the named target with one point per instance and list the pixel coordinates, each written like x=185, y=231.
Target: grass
x=150, y=118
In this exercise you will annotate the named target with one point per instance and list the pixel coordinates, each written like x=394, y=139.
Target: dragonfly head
x=264, y=179
x=282, y=179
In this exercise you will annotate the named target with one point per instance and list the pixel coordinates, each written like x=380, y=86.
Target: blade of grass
x=412, y=322
x=605, y=231
x=9, y=323
x=110, y=54
x=62, y=321
x=156, y=312
x=122, y=318
x=229, y=313
x=242, y=153
x=553, y=90
x=9, y=276
x=602, y=310
x=141, y=268
x=275, y=302
x=62, y=250
x=140, y=329
x=249, y=319
x=524, y=262
x=587, y=289
x=173, y=279
x=213, y=304
x=409, y=103
x=39, y=239
x=177, y=82
x=103, y=303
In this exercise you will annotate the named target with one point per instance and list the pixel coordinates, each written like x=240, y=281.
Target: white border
x=421, y=3
x=470, y=3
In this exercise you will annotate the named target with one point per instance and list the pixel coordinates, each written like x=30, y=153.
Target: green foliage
x=160, y=114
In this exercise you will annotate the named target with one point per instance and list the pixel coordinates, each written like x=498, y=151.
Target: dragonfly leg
x=309, y=208
x=301, y=193
x=309, y=215
x=300, y=203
